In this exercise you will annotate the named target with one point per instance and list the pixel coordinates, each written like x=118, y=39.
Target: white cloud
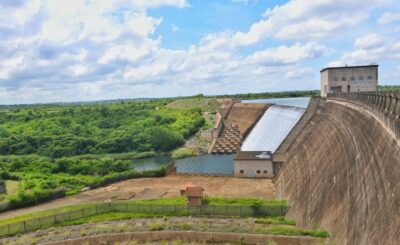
x=300, y=73
x=307, y=19
x=388, y=17
x=284, y=55
x=368, y=41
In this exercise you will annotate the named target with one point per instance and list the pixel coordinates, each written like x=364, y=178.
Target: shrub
x=182, y=153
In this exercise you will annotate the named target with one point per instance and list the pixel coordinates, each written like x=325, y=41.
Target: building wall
x=250, y=168
x=349, y=79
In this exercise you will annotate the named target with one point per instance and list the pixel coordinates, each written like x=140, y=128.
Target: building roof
x=341, y=67
x=194, y=191
x=254, y=155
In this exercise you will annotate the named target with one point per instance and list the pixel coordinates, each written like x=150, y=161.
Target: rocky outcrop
x=342, y=173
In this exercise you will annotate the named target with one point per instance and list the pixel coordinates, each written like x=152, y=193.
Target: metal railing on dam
x=384, y=105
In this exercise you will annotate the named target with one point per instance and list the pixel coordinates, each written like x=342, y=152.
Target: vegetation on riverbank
x=183, y=153
x=56, y=150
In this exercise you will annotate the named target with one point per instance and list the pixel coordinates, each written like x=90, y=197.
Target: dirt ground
x=149, y=188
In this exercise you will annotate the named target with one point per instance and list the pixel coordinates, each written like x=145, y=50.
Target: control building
x=349, y=79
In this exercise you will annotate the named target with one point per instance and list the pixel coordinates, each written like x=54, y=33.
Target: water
x=297, y=101
x=150, y=163
x=206, y=164
x=272, y=128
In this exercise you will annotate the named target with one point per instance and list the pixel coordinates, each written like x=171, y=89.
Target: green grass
x=182, y=153
x=108, y=217
x=220, y=201
x=279, y=220
x=205, y=104
x=214, y=201
x=292, y=231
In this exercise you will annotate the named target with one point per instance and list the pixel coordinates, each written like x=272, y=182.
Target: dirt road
x=149, y=188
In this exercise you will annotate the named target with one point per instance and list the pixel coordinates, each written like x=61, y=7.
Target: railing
x=162, y=210
x=384, y=105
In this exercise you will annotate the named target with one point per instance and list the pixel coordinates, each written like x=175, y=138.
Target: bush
x=182, y=153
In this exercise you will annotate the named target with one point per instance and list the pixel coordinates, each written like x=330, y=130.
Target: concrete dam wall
x=342, y=173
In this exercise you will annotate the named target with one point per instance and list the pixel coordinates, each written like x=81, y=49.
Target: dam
x=342, y=170
x=340, y=165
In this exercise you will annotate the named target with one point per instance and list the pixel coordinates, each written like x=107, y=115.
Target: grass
x=205, y=104
x=108, y=217
x=220, y=201
x=291, y=231
x=213, y=201
x=279, y=220
x=183, y=152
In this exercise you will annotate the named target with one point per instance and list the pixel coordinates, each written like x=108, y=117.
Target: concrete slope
x=343, y=174
x=246, y=115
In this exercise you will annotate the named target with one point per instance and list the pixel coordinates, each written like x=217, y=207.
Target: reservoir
x=297, y=101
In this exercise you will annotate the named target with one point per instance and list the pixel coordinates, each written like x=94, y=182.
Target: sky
x=85, y=50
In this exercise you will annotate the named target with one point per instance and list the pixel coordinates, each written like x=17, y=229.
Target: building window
x=265, y=171
x=241, y=171
x=361, y=78
x=335, y=79
x=258, y=171
x=352, y=78
x=369, y=77
x=336, y=89
x=344, y=79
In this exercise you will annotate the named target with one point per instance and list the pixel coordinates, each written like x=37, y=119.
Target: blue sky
x=82, y=50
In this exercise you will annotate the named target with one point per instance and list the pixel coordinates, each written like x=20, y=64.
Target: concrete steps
x=229, y=141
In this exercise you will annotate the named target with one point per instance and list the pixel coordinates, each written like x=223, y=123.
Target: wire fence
x=167, y=210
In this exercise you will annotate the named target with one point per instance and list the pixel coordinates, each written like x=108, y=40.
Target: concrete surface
x=343, y=173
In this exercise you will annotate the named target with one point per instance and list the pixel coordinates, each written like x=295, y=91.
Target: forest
x=54, y=150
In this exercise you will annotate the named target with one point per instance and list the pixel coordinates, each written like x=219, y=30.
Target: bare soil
x=150, y=188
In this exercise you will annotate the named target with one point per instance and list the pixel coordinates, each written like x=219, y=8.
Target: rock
x=85, y=189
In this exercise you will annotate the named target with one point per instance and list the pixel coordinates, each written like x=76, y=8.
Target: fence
x=384, y=105
x=177, y=210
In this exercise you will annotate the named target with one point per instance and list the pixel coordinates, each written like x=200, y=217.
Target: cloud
x=388, y=17
x=57, y=50
x=306, y=19
x=284, y=55
x=368, y=41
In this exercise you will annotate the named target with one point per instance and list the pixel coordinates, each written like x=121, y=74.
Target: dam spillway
x=272, y=128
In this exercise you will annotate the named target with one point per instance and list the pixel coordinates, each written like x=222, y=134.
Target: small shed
x=194, y=196
x=253, y=164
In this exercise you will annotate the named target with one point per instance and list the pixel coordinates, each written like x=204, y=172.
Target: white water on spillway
x=272, y=128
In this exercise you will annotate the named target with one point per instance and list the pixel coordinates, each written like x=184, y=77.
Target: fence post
x=126, y=207
x=83, y=212
x=24, y=226
x=69, y=216
x=8, y=228
x=55, y=218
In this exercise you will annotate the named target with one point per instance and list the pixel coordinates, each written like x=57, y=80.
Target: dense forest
x=53, y=149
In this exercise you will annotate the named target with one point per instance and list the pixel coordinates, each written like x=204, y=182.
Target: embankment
x=342, y=173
